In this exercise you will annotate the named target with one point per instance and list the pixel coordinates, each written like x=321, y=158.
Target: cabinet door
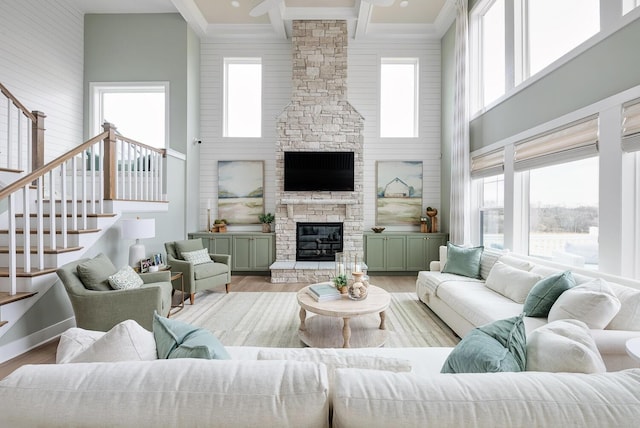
x=375, y=253
x=242, y=249
x=433, y=248
x=220, y=245
x=417, y=249
x=262, y=252
x=396, y=250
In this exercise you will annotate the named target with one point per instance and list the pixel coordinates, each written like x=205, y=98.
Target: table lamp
x=138, y=228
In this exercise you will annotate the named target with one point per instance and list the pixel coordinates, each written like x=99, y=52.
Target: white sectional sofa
x=465, y=303
x=312, y=388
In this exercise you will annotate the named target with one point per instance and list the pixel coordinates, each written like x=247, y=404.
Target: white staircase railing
x=73, y=187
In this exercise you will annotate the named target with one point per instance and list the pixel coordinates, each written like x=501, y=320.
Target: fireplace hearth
x=318, y=241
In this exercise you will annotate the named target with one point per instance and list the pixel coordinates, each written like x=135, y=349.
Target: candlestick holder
x=208, y=219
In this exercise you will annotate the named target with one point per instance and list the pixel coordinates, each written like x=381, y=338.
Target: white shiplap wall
x=41, y=63
x=363, y=93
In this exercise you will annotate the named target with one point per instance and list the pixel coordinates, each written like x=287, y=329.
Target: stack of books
x=323, y=292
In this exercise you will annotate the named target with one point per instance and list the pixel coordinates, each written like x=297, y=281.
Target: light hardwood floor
x=46, y=353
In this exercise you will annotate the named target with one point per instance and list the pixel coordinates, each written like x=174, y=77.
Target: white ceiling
x=419, y=18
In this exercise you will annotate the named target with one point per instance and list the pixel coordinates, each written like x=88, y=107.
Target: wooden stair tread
x=20, y=273
x=3, y=323
x=19, y=171
x=6, y=298
x=47, y=250
x=69, y=231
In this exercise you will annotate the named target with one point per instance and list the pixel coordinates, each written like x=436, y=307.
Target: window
x=399, y=98
x=492, y=212
x=138, y=110
x=557, y=26
x=492, y=28
x=242, y=97
x=629, y=5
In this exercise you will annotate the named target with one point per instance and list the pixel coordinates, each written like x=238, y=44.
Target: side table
x=633, y=348
x=176, y=276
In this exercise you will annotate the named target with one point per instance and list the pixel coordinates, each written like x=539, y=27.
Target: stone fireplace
x=318, y=118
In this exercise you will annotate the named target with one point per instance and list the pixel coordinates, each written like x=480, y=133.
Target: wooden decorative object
x=432, y=213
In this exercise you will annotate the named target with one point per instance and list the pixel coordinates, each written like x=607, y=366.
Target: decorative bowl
x=377, y=229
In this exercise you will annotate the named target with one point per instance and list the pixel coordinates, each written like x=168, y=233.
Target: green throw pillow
x=545, y=293
x=177, y=339
x=463, y=261
x=95, y=273
x=497, y=347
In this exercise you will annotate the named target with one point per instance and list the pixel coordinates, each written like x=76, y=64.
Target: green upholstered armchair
x=202, y=276
x=104, y=308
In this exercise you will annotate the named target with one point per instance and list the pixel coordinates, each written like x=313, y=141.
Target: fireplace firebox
x=318, y=241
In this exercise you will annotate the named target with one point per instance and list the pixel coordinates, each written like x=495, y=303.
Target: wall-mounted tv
x=315, y=171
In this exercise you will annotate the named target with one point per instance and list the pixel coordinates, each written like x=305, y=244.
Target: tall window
x=399, y=98
x=557, y=26
x=138, y=110
x=563, y=212
x=242, y=97
x=492, y=45
x=492, y=212
x=629, y=5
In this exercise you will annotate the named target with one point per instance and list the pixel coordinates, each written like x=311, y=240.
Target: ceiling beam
x=192, y=14
x=364, y=16
x=275, y=17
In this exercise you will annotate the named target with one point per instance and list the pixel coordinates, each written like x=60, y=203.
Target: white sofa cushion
x=511, y=282
x=489, y=257
x=515, y=262
x=167, y=393
x=383, y=399
x=126, y=341
x=592, y=303
x=563, y=346
x=628, y=317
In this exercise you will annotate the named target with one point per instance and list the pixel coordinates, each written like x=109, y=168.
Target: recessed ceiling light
x=235, y=3
x=404, y=3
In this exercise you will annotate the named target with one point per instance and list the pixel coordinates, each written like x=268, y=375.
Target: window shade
x=487, y=164
x=577, y=140
x=631, y=126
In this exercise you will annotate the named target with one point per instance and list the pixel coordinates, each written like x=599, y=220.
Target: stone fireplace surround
x=318, y=118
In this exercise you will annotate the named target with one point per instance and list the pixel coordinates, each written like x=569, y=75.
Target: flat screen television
x=318, y=171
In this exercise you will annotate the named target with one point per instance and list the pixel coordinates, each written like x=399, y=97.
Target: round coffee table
x=344, y=323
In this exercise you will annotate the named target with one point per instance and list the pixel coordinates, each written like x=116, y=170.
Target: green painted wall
x=447, y=83
x=603, y=70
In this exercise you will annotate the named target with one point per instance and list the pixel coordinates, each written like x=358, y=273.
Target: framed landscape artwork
x=398, y=192
x=240, y=191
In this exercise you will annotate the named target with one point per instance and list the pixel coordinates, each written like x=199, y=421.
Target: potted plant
x=266, y=220
x=340, y=282
x=220, y=225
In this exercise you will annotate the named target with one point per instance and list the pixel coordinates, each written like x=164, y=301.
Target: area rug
x=271, y=319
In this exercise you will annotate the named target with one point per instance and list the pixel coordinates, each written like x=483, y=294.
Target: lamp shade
x=138, y=228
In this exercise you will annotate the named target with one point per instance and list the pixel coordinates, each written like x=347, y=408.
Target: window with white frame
x=242, y=114
x=513, y=40
x=563, y=176
x=554, y=27
x=629, y=5
x=487, y=173
x=138, y=110
x=399, y=98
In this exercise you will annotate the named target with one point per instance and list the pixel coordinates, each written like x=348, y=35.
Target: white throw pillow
x=489, y=258
x=592, y=303
x=628, y=317
x=511, y=282
x=197, y=257
x=125, y=279
x=127, y=341
x=74, y=341
x=515, y=262
x=563, y=346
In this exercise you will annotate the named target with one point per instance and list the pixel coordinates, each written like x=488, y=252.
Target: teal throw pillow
x=177, y=339
x=95, y=273
x=497, y=347
x=463, y=261
x=545, y=293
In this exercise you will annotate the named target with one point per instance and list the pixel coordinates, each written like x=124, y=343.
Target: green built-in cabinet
x=250, y=251
x=401, y=251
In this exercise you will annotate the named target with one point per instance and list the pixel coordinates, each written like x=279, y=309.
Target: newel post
x=37, y=140
x=109, y=164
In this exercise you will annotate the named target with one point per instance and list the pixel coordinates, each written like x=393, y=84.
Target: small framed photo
x=157, y=260
x=144, y=265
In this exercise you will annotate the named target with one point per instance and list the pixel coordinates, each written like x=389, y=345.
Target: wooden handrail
x=34, y=175
x=163, y=152
x=17, y=103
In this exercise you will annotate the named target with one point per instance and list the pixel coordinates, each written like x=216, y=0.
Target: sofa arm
x=434, y=266
x=221, y=258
